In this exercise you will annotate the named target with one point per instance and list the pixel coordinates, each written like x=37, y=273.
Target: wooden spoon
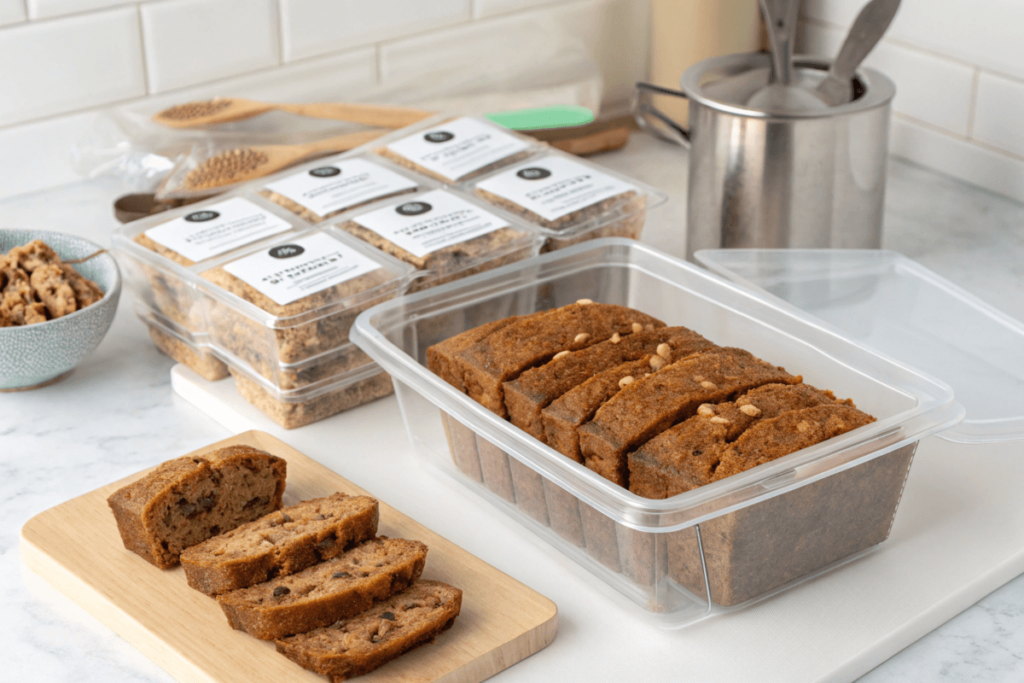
x=248, y=163
x=225, y=109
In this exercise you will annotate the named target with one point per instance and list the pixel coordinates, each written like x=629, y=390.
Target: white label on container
x=457, y=148
x=554, y=186
x=339, y=185
x=430, y=222
x=292, y=271
x=216, y=229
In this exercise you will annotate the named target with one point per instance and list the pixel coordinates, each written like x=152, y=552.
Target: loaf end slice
x=356, y=646
x=187, y=500
x=281, y=543
x=326, y=592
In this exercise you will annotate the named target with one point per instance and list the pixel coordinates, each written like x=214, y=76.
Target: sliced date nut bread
x=649, y=406
x=185, y=501
x=505, y=354
x=789, y=433
x=442, y=358
x=281, y=543
x=536, y=388
x=687, y=455
x=356, y=646
x=324, y=593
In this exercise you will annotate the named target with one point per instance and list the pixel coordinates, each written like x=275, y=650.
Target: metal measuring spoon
x=867, y=30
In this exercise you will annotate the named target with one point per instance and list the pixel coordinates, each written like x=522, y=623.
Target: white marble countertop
x=116, y=414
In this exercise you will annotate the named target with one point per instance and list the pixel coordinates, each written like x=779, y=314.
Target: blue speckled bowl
x=35, y=354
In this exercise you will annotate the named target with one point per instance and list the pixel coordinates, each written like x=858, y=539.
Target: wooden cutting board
x=75, y=546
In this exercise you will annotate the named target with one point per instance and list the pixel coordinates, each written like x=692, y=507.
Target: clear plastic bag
x=543, y=66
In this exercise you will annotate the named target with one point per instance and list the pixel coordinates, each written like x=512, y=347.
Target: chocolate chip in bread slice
x=649, y=406
x=187, y=500
x=324, y=593
x=353, y=647
x=505, y=354
x=686, y=456
x=281, y=543
x=527, y=395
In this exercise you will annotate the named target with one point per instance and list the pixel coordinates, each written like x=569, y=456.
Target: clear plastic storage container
x=569, y=199
x=454, y=149
x=724, y=545
x=328, y=187
x=179, y=345
x=443, y=234
x=162, y=253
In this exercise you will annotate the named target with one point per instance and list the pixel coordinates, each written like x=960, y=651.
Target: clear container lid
x=564, y=195
x=893, y=304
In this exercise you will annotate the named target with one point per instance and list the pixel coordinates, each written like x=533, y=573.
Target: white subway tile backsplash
x=958, y=158
x=999, y=113
x=981, y=32
x=928, y=88
x=489, y=8
x=37, y=155
x=44, y=9
x=614, y=32
x=65, y=65
x=194, y=41
x=316, y=27
x=11, y=11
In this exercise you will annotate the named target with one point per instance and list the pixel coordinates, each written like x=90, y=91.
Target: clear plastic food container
x=444, y=234
x=181, y=347
x=725, y=545
x=569, y=199
x=162, y=253
x=328, y=187
x=289, y=304
x=299, y=407
x=454, y=149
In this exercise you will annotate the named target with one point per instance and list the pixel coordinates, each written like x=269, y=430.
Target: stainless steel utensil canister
x=810, y=179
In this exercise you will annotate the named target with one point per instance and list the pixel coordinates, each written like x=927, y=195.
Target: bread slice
x=326, y=592
x=535, y=389
x=651, y=405
x=187, y=500
x=281, y=543
x=686, y=456
x=789, y=433
x=528, y=342
x=356, y=646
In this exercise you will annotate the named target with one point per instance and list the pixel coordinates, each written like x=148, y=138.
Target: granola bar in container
x=569, y=199
x=180, y=346
x=443, y=235
x=455, y=149
x=162, y=253
x=299, y=407
x=294, y=300
x=327, y=187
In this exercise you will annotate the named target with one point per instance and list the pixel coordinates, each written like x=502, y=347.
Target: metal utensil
x=780, y=96
x=867, y=30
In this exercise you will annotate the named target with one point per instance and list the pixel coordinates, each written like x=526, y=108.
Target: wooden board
x=75, y=546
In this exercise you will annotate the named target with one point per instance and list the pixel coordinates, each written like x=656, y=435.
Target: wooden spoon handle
x=370, y=114
x=339, y=143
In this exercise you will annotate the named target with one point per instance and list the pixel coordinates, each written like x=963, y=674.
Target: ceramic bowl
x=32, y=355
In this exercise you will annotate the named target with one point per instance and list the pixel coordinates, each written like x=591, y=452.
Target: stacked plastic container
x=264, y=282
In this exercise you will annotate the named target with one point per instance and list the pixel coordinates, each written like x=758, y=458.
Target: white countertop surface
x=116, y=414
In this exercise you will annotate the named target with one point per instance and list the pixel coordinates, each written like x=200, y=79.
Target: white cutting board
x=959, y=535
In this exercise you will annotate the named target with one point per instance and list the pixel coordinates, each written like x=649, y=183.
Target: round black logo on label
x=201, y=216
x=438, y=136
x=325, y=171
x=286, y=251
x=413, y=208
x=533, y=173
